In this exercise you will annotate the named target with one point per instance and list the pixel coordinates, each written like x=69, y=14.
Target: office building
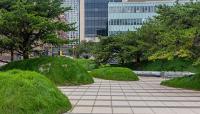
x=131, y=14
x=94, y=18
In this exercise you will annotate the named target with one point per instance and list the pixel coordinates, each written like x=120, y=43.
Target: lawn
x=60, y=70
x=115, y=73
x=26, y=92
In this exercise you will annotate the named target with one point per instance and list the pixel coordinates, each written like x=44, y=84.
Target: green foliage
x=5, y=44
x=25, y=92
x=124, y=48
x=32, y=23
x=60, y=70
x=85, y=49
x=115, y=73
x=179, y=33
x=87, y=64
x=169, y=65
x=192, y=82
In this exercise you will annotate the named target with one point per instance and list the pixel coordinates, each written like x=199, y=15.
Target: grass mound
x=60, y=70
x=115, y=73
x=87, y=64
x=25, y=92
x=192, y=82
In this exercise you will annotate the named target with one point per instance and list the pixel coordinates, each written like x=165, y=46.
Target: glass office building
x=128, y=16
x=96, y=18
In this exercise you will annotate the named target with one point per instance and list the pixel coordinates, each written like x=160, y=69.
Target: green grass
x=26, y=92
x=192, y=82
x=87, y=64
x=60, y=70
x=115, y=73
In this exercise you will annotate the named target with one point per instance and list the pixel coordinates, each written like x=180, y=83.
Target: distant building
x=131, y=14
x=73, y=16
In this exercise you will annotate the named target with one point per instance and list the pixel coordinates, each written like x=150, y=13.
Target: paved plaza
x=146, y=96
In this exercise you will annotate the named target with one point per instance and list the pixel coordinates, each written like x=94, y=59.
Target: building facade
x=96, y=18
x=130, y=15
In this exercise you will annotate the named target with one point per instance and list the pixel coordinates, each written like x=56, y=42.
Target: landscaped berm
x=115, y=73
x=192, y=82
x=87, y=64
x=60, y=70
x=26, y=92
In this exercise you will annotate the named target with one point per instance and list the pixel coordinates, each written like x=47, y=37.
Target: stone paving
x=146, y=96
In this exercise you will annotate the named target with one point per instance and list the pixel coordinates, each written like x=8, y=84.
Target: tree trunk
x=12, y=55
x=138, y=57
x=122, y=61
x=25, y=55
x=138, y=60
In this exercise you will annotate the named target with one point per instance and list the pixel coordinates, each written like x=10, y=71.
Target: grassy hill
x=26, y=92
x=60, y=70
x=192, y=82
x=115, y=73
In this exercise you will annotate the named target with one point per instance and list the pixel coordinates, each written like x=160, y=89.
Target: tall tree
x=32, y=22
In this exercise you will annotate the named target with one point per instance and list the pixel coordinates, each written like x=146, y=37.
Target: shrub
x=60, y=70
x=25, y=92
x=115, y=73
x=170, y=65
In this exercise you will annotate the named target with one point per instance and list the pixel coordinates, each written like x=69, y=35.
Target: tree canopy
x=32, y=23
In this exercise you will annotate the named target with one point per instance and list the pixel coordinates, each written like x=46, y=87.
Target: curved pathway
x=146, y=96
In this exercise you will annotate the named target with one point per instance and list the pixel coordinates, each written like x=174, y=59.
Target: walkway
x=143, y=97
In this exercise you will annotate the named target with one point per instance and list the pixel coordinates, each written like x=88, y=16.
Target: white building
x=131, y=14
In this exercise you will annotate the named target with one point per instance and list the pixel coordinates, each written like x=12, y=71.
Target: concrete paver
x=146, y=96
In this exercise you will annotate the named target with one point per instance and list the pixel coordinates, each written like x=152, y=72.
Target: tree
x=124, y=48
x=181, y=34
x=33, y=23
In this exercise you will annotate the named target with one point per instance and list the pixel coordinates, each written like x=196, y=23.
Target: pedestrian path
x=146, y=96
